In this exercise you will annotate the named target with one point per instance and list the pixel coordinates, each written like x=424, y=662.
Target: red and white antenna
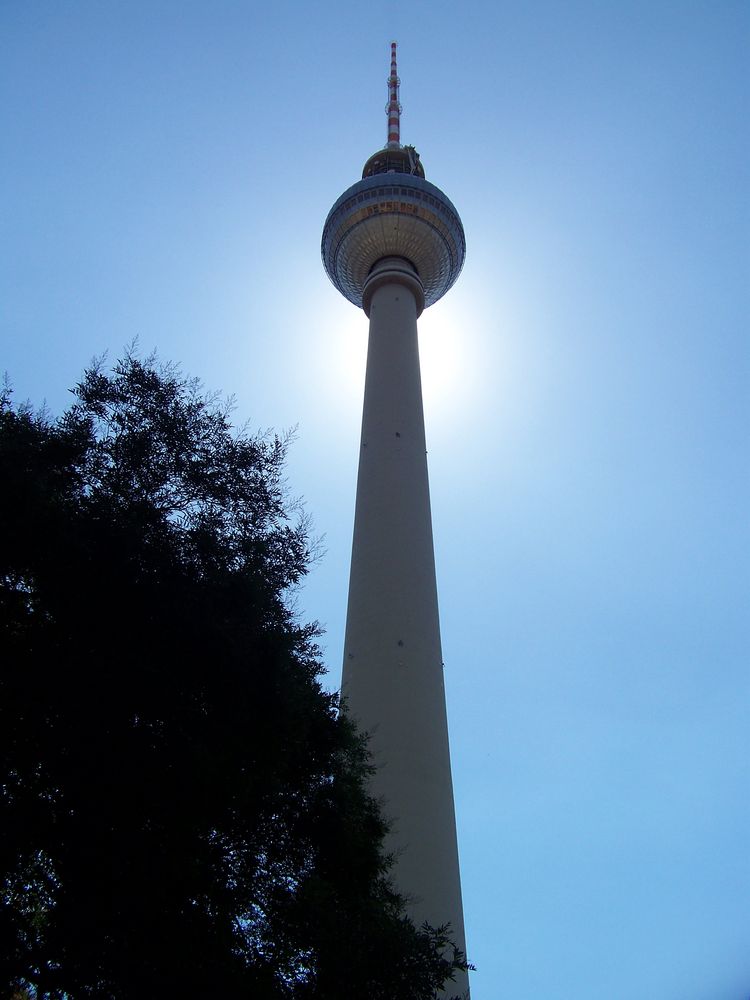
x=393, y=108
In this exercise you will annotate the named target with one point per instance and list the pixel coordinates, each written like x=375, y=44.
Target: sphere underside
x=393, y=215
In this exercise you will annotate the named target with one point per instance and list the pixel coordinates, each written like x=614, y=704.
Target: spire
x=393, y=109
x=394, y=158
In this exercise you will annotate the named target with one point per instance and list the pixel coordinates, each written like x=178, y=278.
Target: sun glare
x=453, y=349
x=348, y=369
x=442, y=361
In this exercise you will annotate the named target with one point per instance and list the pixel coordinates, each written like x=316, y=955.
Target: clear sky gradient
x=165, y=174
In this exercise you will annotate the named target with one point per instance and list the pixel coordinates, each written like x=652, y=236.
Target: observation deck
x=393, y=212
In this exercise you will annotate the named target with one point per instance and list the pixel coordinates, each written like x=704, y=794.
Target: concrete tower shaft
x=393, y=666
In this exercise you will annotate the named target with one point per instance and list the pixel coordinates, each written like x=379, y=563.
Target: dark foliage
x=182, y=809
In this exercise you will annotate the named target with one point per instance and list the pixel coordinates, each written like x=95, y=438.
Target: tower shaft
x=393, y=670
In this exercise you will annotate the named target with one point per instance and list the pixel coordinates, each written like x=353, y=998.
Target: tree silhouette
x=183, y=809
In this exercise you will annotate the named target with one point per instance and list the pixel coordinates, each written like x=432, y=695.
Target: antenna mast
x=393, y=108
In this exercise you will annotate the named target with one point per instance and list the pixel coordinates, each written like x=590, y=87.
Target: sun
x=452, y=371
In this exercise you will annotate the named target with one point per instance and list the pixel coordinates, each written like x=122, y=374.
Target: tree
x=183, y=809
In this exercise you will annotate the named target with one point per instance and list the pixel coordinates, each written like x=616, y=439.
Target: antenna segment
x=393, y=108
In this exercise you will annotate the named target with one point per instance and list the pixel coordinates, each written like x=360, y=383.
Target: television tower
x=394, y=244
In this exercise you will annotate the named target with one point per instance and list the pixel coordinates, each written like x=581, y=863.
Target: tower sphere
x=393, y=215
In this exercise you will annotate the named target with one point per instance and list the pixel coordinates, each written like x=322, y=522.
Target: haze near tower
x=394, y=244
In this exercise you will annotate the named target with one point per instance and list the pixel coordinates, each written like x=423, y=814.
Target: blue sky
x=166, y=172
